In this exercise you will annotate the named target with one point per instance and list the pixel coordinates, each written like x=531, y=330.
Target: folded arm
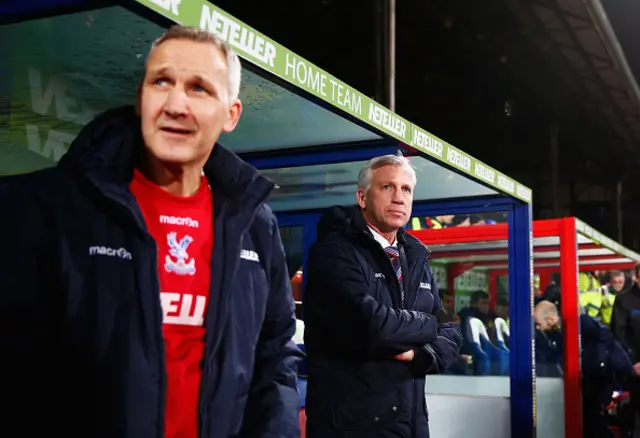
x=338, y=294
x=438, y=355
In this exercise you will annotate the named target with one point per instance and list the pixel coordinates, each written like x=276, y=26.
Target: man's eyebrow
x=160, y=71
x=202, y=78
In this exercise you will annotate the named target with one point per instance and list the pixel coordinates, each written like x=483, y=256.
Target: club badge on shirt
x=178, y=249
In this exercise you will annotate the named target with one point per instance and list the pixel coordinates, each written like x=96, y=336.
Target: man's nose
x=177, y=104
x=398, y=197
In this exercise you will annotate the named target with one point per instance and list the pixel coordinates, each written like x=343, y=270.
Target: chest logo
x=249, y=255
x=176, y=260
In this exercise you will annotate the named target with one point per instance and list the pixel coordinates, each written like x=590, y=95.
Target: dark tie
x=393, y=254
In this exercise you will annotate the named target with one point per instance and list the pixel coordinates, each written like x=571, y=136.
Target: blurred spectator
x=617, y=282
x=449, y=304
x=436, y=222
x=548, y=340
x=626, y=328
x=552, y=294
x=596, y=300
x=476, y=219
x=502, y=309
x=601, y=357
x=462, y=220
x=479, y=308
x=537, y=292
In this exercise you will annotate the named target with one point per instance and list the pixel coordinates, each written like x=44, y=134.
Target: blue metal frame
x=522, y=367
x=301, y=157
x=308, y=222
x=523, y=380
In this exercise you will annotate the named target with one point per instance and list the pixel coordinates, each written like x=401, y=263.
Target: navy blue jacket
x=602, y=356
x=355, y=323
x=81, y=328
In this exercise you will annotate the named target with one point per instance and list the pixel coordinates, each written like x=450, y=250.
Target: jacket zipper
x=208, y=360
x=160, y=344
x=414, y=426
x=371, y=240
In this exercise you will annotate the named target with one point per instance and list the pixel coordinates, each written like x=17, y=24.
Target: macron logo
x=110, y=252
x=425, y=286
x=249, y=255
x=175, y=220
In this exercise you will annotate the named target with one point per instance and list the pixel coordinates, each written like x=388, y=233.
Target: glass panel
x=321, y=186
x=605, y=368
x=468, y=276
x=59, y=72
x=462, y=220
x=549, y=343
x=292, y=240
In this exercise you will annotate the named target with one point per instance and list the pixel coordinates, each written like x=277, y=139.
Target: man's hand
x=407, y=356
x=636, y=368
x=450, y=341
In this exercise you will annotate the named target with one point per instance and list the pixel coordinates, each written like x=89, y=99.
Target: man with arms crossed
x=144, y=291
x=373, y=315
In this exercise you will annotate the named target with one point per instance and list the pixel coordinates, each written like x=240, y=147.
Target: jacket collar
x=107, y=149
x=350, y=222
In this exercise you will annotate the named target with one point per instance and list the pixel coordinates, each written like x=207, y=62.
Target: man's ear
x=235, y=111
x=361, y=197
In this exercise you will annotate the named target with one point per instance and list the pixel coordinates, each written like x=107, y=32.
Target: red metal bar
x=602, y=260
x=547, y=227
x=436, y=253
x=607, y=267
x=478, y=233
x=493, y=288
x=483, y=233
x=545, y=278
x=570, y=329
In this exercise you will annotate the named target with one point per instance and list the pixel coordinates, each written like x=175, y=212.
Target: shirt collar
x=381, y=240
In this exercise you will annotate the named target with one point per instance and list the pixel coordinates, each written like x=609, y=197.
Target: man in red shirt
x=174, y=313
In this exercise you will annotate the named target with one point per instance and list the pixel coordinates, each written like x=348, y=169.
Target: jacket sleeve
x=435, y=357
x=28, y=292
x=273, y=406
x=337, y=295
x=618, y=359
x=620, y=323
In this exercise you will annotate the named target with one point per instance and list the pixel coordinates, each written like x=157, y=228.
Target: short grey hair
x=547, y=308
x=198, y=35
x=366, y=173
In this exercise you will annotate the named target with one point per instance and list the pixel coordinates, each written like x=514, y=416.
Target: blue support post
x=522, y=363
x=308, y=222
x=523, y=382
